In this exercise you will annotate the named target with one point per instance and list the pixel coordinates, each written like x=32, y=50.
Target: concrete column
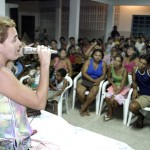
x=58, y=20
x=74, y=17
x=2, y=9
x=110, y=21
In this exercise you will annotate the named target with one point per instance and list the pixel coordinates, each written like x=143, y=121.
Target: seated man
x=141, y=79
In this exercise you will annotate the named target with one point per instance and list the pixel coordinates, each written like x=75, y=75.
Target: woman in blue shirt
x=93, y=72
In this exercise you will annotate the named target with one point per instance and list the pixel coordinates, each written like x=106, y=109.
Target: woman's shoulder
x=67, y=59
x=56, y=58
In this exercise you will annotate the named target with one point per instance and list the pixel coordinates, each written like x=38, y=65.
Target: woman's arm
x=87, y=53
x=103, y=76
x=16, y=91
x=109, y=75
x=69, y=67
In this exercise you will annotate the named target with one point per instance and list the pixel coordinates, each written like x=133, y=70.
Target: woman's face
x=63, y=54
x=117, y=62
x=114, y=52
x=130, y=51
x=54, y=45
x=58, y=76
x=11, y=47
x=97, y=56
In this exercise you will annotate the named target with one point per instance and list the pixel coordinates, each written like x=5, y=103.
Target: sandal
x=107, y=118
x=139, y=123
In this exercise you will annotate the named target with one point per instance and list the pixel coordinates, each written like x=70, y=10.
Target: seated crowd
x=124, y=62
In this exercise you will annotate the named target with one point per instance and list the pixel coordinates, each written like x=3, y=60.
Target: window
x=141, y=25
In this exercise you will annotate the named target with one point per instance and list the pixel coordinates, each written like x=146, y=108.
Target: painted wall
x=2, y=8
x=125, y=18
x=7, y=8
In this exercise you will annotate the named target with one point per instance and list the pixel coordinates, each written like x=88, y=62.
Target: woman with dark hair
x=62, y=61
x=117, y=77
x=93, y=72
x=131, y=59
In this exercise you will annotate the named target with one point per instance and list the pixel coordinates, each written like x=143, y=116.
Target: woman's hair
x=62, y=72
x=5, y=23
x=120, y=56
x=98, y=50
x=69, y=49
x=135, y=55
x=62, y=49
x=53, y=40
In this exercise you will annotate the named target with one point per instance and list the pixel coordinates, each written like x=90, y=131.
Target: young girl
x=117, y=77
x=58, y=87
x=131, y=59
x=34, y=81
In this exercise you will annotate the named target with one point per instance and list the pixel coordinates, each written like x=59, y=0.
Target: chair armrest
x=24, y=77
x=101, y=83
x=76, y=79
x=105, y=84
x=130, y=93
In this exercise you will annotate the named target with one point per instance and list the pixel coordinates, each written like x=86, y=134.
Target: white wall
x=125, y=18
x=2, y=7
x=7, y=8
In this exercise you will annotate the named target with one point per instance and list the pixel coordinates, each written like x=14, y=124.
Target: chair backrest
x=16, y=70
x=23, y=78
x=70, y=82
x=130, y=79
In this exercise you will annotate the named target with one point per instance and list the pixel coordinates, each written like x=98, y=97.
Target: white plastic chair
x=125, y=104
x=64, y=97
x=24, y=77
x=16, y=70
x=86, y=93
x=131, y=115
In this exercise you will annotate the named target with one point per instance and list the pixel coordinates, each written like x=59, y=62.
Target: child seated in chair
x=56, y=88
x=35, y=78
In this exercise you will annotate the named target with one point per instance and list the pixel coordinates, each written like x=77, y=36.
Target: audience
x=84, y=55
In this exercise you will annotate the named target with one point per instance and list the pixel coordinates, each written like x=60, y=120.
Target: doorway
x=28, y=27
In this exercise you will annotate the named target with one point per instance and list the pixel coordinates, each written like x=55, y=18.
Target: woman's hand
x=44, y=55
x=115, y=88
x=96, y=82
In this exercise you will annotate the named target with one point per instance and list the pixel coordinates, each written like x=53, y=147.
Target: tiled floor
x=138, y=139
